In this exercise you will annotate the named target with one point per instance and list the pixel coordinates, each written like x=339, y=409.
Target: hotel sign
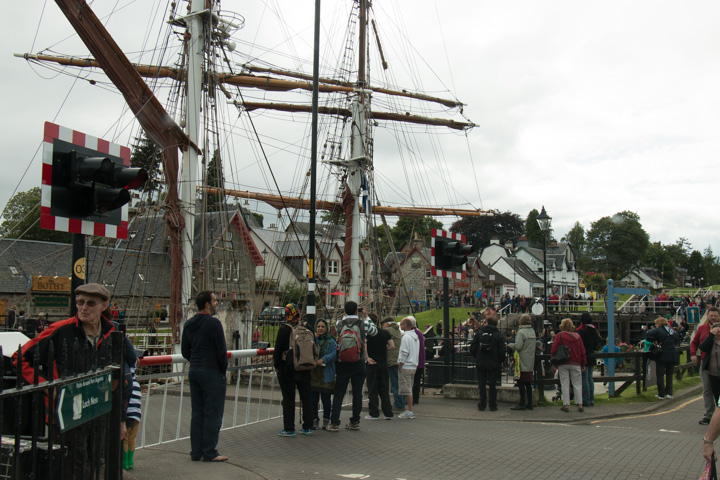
x=50, y=284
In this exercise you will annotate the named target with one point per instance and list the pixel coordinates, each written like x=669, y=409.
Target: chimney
x=494, y=241
x=509, y=245
x=523, y=242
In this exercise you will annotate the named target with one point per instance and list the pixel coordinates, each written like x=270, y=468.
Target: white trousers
x=570, y=374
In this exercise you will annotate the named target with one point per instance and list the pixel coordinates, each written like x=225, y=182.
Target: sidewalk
x=256, y=452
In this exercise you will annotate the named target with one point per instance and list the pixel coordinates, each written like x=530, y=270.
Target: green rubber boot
x=126, y=459
x=131, y=454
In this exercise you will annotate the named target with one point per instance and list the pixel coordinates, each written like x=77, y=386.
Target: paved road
x=451, y=439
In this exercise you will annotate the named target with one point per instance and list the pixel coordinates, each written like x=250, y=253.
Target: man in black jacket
x=203, y=345
x=77, y=343
x=289, y=379
x=488, y=348
x=591, y=341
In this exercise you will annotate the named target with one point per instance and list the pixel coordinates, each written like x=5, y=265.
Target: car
x=272, y=315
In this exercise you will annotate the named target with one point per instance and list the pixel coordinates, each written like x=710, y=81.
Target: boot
x=131, y=454
x=126, y=457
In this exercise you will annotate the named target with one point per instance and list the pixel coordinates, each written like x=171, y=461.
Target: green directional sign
x=83, y=401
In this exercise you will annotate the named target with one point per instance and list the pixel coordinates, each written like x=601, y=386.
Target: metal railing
x=166, y=406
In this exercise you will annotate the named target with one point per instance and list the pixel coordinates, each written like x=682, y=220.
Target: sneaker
x=353, y=426
x=565, y=408
x=580, y=408
x=316, y=424
x=306, y=431
x=407, y=415
x=287, y=433
x=370, y=417
x=668, y=397
x=332, y=428
x=659, y=397
x=518, y=407
x=704, y=421
x=326, y=422
x=385, y=417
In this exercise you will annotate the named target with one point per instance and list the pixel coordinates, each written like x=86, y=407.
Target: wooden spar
x=160, y=127
x=345, y=112
x=244, y=80
x=278, y=202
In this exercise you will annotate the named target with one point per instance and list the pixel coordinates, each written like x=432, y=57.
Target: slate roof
x=522, y=269
x=28, y=258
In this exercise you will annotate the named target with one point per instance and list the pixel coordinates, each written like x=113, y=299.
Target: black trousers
x=664, y=375
x=526, y=399
x=417, y=383
x=378, y=384
x=288, y=384
x=489, y=378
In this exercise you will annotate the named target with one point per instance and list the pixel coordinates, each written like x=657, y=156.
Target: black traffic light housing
x=451, y=255
x=90, y=185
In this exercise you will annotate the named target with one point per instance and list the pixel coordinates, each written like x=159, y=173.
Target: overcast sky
x=587, y=108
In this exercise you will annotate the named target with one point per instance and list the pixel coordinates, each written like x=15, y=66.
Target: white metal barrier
x=166, y=408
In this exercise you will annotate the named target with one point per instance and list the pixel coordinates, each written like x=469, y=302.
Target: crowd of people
x=356, y=349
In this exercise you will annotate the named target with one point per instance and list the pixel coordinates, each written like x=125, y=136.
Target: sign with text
x=41, y=283
x=54, y=302
x=83, y=401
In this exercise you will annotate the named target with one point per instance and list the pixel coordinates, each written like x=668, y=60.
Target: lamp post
x=544, y=223
x=264, y=254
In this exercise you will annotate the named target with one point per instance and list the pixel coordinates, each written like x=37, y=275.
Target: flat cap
x=94, y=289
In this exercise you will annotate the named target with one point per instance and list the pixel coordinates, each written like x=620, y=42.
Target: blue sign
x=692, y=314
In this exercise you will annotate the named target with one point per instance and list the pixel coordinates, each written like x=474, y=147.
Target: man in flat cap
x=91, y=333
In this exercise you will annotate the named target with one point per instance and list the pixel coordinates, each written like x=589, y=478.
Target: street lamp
x=264, y=254
x=544, y=223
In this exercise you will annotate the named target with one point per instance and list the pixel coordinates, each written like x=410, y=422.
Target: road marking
x=353, y=475
x=669, y=431
x=672, y=410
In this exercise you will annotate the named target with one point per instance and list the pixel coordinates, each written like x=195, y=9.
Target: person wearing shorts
x=407, y=364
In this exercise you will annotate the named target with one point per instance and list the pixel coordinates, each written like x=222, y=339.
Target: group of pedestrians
x=365, y=350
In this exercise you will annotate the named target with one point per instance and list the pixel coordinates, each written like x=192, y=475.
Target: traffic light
x=90, y=185
x=449, y=252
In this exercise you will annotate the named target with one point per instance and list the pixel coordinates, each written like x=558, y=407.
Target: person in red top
x=570, y=372
x=712, y=316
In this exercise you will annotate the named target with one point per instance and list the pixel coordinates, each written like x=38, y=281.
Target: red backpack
x=350, y=343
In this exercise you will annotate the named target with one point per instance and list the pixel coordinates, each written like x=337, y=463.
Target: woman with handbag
x=666, y=338
x=570, y=372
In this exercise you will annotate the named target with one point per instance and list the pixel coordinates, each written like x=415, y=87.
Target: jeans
x=588, y=385
x=207, y=395
x=326, y=399
x=398, y=400
x=345, y=374
x=378, y=385
x=570, y=374
x=664, y=373
x=489, y=378
x=288, y=383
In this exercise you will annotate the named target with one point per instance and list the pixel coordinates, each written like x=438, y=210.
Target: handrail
x=154, y=360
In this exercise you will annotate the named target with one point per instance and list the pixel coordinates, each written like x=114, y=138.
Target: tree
x=22, y=219
x=696, y=266
x=336, y=216
x=576, y=238
x=506, y=226
x=147, y=155
x=679, y=252
x=214, y=178
x=259, y=218
x=658, y=258
x=616, y=245
x=406, y=228
x=712, y=267
x=532, y=230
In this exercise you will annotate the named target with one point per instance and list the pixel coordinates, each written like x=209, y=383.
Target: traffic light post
x=448, y=258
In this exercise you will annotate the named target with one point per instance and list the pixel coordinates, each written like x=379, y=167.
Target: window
x=220, y=268
x=14, y=270
x=428, y=273
x=332, y=267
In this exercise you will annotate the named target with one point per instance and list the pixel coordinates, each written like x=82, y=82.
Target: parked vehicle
x=272, y=315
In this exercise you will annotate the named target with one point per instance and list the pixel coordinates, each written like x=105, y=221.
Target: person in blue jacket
x=667, y=339
x=323, y=376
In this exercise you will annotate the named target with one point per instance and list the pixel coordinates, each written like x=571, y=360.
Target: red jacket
x=701, y=334
x=574, y=343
